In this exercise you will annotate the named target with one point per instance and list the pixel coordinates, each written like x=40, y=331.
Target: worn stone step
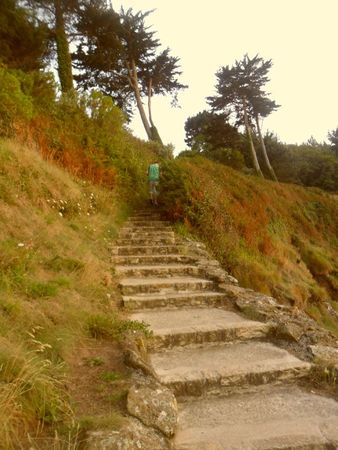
x=152, y=234
x=272, y=418
x=143, y=217
x=148, y=285
x=198, y=325
x=148, y=223
x=213, y=368
x=147, y=249
x=164, y=270
x=174, y=300
x=147, y=229
x=140, y=241
x=151, y=259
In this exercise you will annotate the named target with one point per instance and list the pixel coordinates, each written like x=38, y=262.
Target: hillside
x=57, y=300
x=279, y=239
x=70, y=174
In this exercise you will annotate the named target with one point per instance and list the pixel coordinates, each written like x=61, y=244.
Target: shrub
x=15, y=105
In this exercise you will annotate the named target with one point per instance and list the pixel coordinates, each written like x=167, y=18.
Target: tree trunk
x=252, y=147
x=265, y=153
x=155, y=134
x=140, y=107
x=63, y=54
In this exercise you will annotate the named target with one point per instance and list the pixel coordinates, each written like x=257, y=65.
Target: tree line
x=241, y=101
x=96, y=47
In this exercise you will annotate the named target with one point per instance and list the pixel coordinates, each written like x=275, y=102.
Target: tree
x=333, y=138
x=57, y=14
x=211, y=131
x=262, y=107
x=23, y=44
x=120, y=56
x=236, y=87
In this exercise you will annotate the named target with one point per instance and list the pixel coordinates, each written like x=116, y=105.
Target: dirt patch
x=98, y=379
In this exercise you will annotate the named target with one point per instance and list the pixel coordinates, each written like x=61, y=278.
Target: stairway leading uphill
x=235, y=389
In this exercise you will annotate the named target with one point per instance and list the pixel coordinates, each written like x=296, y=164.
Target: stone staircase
x=235, y=389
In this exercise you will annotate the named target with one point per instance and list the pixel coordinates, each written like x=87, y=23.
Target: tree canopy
x=118, y=53
x=23, y=41
x=240, y=93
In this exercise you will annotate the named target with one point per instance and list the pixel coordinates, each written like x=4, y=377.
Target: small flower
x=21, y=244
x=60, y=214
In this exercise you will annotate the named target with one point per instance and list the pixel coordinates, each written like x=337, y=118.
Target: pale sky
x=300, y=36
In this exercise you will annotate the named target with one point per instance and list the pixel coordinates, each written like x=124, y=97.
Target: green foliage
x=23, y=43
x=15, y=105
x=37, y=289
x=208, y=131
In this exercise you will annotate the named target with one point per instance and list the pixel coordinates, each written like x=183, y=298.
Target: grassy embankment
x=57, y=300
x=279, y=239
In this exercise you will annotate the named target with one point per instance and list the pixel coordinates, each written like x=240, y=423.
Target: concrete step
x=162, y=285
x=142, y=240
x=283, y=418
x=198, y=325
x=151, y=259
x=174, y=300
x=147, y=249
x=165, y=270
x=214, y=368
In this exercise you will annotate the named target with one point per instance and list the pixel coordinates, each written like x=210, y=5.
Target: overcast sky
x=300, y=36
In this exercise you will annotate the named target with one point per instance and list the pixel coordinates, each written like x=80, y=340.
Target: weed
x=59, y=263
x=37, y=289
x=111, y=327
x=110, y=376
x=94, y=361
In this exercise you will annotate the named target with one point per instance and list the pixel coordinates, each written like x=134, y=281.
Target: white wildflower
x=21, y=244
x=60, y=214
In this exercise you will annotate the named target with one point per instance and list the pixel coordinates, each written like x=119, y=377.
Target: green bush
x=15, y=105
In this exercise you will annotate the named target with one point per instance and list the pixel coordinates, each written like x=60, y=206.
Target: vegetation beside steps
x=278, y=239
x=61, y=369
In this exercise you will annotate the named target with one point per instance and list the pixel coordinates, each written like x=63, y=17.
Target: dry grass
x=55, y=238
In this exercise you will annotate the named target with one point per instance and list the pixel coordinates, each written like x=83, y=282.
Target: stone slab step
x=147, y=249
x=149, y=229
x=165, y=270
x=147, y=223
x=148, y=285
x=144, y=216
x=198, y=325
x=214, y=368
x=150, y=234
x=283, y=418
x=151, y=259
x=142, y=240
x=174, y=300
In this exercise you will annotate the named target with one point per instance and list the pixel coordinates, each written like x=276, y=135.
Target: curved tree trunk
x=63, y=54
x=265, y=154
x=134, y=84
x=252, y=147
x=155, y=134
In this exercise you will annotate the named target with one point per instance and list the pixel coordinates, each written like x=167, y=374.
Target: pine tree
x=23, y=43
x=118, y=53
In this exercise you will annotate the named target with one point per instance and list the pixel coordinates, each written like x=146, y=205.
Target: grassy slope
x=279, y=239
x=56, y=294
